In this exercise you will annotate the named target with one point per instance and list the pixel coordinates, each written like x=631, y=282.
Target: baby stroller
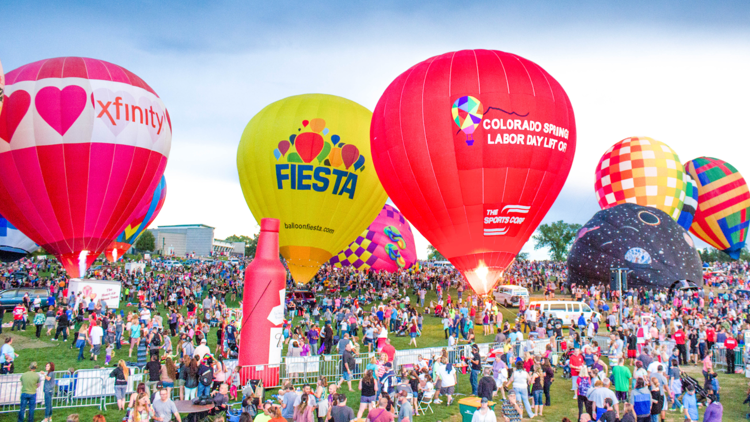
x=565, y=364
x=401, y=332
x=700, y=392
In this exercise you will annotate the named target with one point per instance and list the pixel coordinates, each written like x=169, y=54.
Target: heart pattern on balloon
x=49, y=103
x=14, y=109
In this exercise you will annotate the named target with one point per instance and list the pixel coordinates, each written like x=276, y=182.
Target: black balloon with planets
x=645, y=240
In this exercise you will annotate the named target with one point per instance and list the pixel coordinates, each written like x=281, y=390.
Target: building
x=193, y=239
x=184, y=239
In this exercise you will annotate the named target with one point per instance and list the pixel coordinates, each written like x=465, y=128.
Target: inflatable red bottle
x=261, y=338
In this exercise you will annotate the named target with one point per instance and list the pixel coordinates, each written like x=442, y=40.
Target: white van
x=566, y=310
x=172, y=264
x=441, y=264
x=510, y=295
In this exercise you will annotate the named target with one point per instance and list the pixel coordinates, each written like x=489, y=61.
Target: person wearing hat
x=405, y=412
x=202, y=350
x=476, y=367
x=484, y=413
x=265, y=412
x=510, y=409
x=29, y=385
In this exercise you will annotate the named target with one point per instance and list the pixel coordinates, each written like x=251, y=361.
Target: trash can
x=467, y=406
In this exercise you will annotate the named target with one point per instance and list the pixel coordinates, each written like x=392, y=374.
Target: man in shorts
x=622, y=376
x=96, y=336
x=446, y=373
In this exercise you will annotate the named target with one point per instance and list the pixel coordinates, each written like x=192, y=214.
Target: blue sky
x=675, y=71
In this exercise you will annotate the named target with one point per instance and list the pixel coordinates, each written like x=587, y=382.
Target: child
x=110, y=352
x=715, y=385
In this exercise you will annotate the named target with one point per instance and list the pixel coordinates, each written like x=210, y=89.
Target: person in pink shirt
x=707, y=364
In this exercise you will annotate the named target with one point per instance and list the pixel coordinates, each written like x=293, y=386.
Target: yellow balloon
x=287, y=172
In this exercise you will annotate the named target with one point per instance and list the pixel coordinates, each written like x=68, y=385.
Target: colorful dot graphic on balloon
x=317, y=125
x=305, y=123
x=325, y=131
x=284, y=147
x=349, y=154
x=291, y=139
x=335, y=139
x=308, y=145
x=467, y=114
x=277, y=154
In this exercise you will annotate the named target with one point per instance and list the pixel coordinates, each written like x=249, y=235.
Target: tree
x=522, y=256
x=146, y=241
x=251, y=243
x=558, y=237
x=711, y=254
x=434, y=255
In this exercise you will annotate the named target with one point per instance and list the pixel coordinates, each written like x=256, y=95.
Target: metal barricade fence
x=719, y=357
x=94, y=387
x=82, y=388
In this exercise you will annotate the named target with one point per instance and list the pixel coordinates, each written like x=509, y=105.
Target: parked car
x=510, y=295
x=11, y=297
x=172, y=264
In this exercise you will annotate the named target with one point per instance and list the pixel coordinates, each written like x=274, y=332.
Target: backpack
x=585, y=385
x=156, y=340
x=207, y=377
x=641, y=403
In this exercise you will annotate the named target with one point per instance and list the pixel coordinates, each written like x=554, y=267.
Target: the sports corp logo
x=504, y=219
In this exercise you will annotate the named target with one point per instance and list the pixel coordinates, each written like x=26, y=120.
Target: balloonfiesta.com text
x=308, y=227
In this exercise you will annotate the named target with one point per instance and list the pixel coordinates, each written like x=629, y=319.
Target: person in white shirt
x=201, y=350
x=96, y=335
x=447, y=375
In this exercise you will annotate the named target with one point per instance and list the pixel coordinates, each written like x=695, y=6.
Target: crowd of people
x=169, y=313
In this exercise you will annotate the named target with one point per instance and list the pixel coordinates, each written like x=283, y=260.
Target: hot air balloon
x=143, y=219
x=723, y=205
x=305, y=161
x=386, y=245
x=83, y=143
x=479, y=202
x=14, y=245
x=646, y=241
x=643, y=171
x=690, y=205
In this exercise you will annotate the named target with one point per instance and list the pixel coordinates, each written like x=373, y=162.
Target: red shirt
x=711, y=335
x=575, y=361
x=679, y=337
x=730, y=343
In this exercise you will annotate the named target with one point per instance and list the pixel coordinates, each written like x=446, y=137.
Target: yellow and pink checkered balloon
x=641, y=171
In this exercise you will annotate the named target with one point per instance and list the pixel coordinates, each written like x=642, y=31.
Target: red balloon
x=83, y=144
x=473, y=147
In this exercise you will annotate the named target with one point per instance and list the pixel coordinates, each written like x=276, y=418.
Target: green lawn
x=733, y=388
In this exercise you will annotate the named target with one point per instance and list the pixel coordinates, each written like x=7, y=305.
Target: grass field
x=733, y=387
